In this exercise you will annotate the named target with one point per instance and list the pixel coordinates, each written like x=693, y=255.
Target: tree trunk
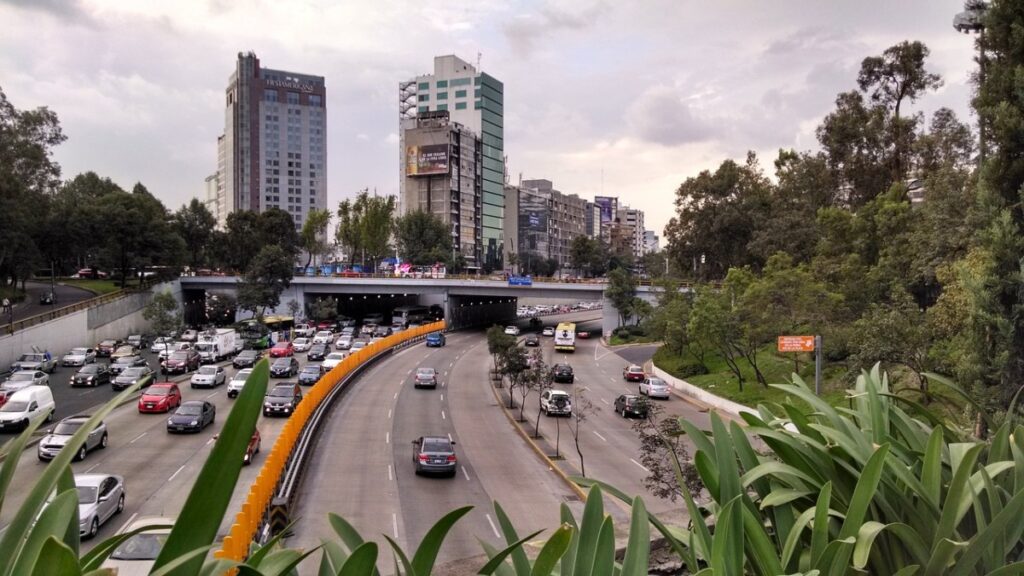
x=536, y=426
x=579, y=452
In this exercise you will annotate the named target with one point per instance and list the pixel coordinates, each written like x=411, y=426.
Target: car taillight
x=451, y=458
x=424, y=458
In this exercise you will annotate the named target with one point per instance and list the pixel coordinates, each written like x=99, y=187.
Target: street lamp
x=972, y=19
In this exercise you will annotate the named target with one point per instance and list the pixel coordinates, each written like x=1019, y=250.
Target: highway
x=30, y=306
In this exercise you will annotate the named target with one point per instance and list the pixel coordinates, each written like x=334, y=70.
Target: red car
x=160, y=397
x=324, y=325
x=583, y=335
x=182, y=362
x=254, y=447
x=633, y=373
x=282, y=349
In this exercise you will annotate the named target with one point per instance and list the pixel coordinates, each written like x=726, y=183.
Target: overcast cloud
x=621, y=97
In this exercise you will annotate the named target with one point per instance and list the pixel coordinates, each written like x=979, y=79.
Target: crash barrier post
x=260, y=506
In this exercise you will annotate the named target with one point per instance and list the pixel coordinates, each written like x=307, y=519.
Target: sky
x=624, y=99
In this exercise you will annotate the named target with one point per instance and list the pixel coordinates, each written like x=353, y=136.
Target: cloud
x=67, y=10
x=664, y=115
x=526, y=30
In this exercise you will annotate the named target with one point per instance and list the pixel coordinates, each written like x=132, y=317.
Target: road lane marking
x=387, y=438
x=389, y=414
x=612, y=379
x=93, y=467
x=394, y=524
x=137, y=438
x=464, y=473
x=442, y=415
x=396, y=393
x=176, y=472
x=125, y=525
x=390, y=474
x=442, y=397
x=452, y=365
x=409, y=373
x=603, y=400
x=493, y=527
x=639, y=464
x=211, y=395
x=599, y=436
x=210, y=441
x=450, y=437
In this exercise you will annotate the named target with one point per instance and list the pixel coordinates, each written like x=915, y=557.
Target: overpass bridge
x=466, y=301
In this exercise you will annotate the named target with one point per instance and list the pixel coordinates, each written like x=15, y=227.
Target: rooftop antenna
x=478, y=56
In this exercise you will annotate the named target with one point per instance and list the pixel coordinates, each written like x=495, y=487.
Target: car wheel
x=104, y=441
x=94, y=528
x=81, y=454
x=49, y=417
x=120, y=504
x=192, y=386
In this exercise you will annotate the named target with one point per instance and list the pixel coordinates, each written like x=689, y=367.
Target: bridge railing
x=466, y=277
x=278, y=474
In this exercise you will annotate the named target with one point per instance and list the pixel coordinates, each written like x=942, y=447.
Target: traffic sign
x=796, y=343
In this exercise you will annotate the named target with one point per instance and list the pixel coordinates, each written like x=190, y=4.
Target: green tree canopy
x=423, y=238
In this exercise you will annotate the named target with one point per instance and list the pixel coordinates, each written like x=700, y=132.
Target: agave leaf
x=762, y=552
x=865, y=538
x=984, y=539
x=362, y=562
x=942, y=557
x=399, y=554
x=72, y=536
x=781, y=472
x=590, y=529
x=348, y=534
x=199, y=520
x=10, y=452
x=52, y=523
x=956, y=490
x=727, y=548
x=794, y=535
x=182, y=560
x=553, y=549
x=909, y=571
x=426, y=553
x=604, y=559
x=98, y=555
x=55, y=557
x=931, y=474
x=332, y=559
x=729, y=481
x=781, y=496
x=519, y=560
x=569, y=558
x=221, y=566
x=638, y=549
x=819, y=531
x=499, y=569
x=261, y=552
x=279, y=562
x=498, y=557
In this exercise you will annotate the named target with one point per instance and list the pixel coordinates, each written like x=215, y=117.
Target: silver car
x=100, y=497
x=208, y=376
x=655, y=388
x=237, y=382
x=23, y=378
x=54, y=442
x=79, y=357
x=131, y=376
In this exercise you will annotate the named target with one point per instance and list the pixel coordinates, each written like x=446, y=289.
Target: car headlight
x=194, y=423
x=267, y=405
x=170, y=420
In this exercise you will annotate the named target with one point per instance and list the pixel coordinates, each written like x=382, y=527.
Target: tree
x=313, y=237
x=512, y=260
x=162, y=313
x=582, y=408
x=265, y=280
x=497, y=344
x=512, y=362
x=586, y=257
x=712, y=326
x=854, y=139
x=348, y=234
x=220, y=308
x=622, y=292
x=136, y=231
x=897, y=75
x=662, y=452
x=277, y=227
x=896, y=332
x=324, y=309
x=242, y=239
x=423, y=238
x=376, y=225
x=195, y=224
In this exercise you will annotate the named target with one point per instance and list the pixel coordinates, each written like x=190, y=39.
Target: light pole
x=972, y=19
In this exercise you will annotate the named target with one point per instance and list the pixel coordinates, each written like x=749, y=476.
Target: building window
x=424, y=85
x=460, y=105
x=423, y=97
x=460, y=82
x=476, y=93
x=270, y=95
x=477, y=80
x=442, y=95
x=442, y=106
x=293, y=97
x=460, y=93
x=424, y=108
x=476, y=105
x=442, y=83
x=314, y=100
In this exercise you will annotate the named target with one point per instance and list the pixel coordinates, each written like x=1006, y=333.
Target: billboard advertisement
x=608, y=205
x=426, y=160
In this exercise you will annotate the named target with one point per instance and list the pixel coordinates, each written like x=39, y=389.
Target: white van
x=26, y=404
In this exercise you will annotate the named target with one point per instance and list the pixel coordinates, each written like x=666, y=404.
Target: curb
x=537, y=449
x=701, y=397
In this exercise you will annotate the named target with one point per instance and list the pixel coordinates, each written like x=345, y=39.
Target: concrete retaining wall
x=702, y=395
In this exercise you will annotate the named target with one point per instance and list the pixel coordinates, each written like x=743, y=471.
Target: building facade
x=632, y=220
x=651, y=242
x=548, y=221
x=442, y=175
x=273, y=151
x=474, y=100
x=592, y=220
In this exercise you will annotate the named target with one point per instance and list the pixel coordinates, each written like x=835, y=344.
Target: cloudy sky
x=628, y=98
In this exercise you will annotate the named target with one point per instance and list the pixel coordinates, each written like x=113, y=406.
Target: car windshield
x=318, y=348
x=22, y=377
x=66, y=428
x=190, y=410
x=86, y=494
x=282, y=363
x=18, y=406
x=208, y=370
x=126, y=359
x=90, y=369
x=158, y=391
x=425, y=372
x=78, y=352
x=125, y=349
x=108, y=343
x=335, y=356
x=436, y=446
x=281, y=345
x=133, y=372
x=635, y=369
x=656, y=382
x=145, y=546
x=286, y=392
x=242, y=375
x=247, y=354
x=311, y=370
x=179, y=356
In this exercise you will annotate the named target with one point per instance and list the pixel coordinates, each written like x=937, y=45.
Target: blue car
x=435, y=339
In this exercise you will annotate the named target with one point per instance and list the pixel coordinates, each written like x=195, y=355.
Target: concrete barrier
x=701, y=395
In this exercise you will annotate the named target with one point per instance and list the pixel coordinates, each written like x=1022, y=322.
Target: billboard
x=426, y=160
x=608, y=205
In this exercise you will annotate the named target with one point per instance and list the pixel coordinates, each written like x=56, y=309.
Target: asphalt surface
x=30, y=306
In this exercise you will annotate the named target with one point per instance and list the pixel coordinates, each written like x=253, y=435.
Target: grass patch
x=12, y=293
x=619, y=340
x=97, y=287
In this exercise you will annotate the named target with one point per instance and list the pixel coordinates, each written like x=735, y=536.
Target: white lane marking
x=137, y=438
x=603, y=400
x=394, y=524
x=125, y=525
x=452, y=365
x=442, y=397
x=493, y=527
x=389, y=414
x=93, y=467
x=211, y=395
x=387, y=438
x=612, y=379
x=176, y=472
x=599, y=436
x=442, y=415
x=450, y=437
x=464, y=473
x=210, y=441
x=409, y=373
x=390, y=473
x=443, y=384
x=396, y=393
x=639, y=464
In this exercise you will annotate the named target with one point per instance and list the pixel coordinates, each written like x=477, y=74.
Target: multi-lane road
x=66, y=295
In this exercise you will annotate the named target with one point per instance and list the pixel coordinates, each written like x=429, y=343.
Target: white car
x=160, y=344
x=304, y=330
x=512, y=330
x=238, y=382
x=332, y=360
x=302, y=344
x=323, y=337
x=100, y=497
x=344, y=343
x=190, y=335
x=655, y=388
x=175, y=347
x=549, y=331
x=208, y=376
x=358, y=345
x=555, y=403
x=24, y=378
x=79, y=357
x=137, y=554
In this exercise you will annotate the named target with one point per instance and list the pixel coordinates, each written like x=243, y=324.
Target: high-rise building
x=441, y=175
x=633, y=221
x=592, y=220
x=212, y=199
x=548, y=221
x=274, y=149
x=651, y=242
x=475, y=100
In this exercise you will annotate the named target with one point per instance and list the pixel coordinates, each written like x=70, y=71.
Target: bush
x=688, y=369
x=636, y=330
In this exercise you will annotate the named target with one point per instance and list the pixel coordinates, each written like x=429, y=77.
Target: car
x=182, y=361
x=382, y=331
x=36, y=361
x=190, y=335
x=100, y=498
x=131, y=376
x=253, y=448
x=192, y=416
x=302, y=344
x=282, y=350
x=316, y=352
x=122, y=351
x=139, y=341
x=284, y=368
x=631, y=405
x=237, y=382
x=105, y=348
x=47, y=297
x=512, y=330
x=23, y=378
x=654, y=388
x=344, y=342
x=345, y=322
x=160, y=397
x=368, y=329
x=59, y=435
x=555, y=403
x=137, y=554
x=397, y=327
x=532, y=340
x=171, y=349
x=425, y=378
x=434, y=455
x=79, y=357
x=323, y=337
x=562, y=373
x=125, y=362
x=358, y=345
x=548, y=331
x=160, y=344
x=633, y=373
x=208, y=377
x=310, y=374
x=583, y=335
x=331, y=360
x=349, y=331
x=324, y=324
x=282, y=399
x=304, y=330
x=90, y=273
x=246, y=358
x=5, y=393
x=435, y=340
x=22, y=406
x=91, y=375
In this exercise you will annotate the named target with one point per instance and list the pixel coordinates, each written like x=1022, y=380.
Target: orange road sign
x=796, y=343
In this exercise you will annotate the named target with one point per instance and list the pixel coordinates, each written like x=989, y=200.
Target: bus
x=565, y=337
x=257, y=335
x=406, y=315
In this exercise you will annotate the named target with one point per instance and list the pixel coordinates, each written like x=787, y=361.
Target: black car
x=631, y=405
x=123, y=362
x=246, y=359
x=92, y=375
x=131, y=376
x=434, y=454
x=192, y=416
x=562, y=373
x=309, y=375
x=282, y=399
x=531, y=340
x=284, y=367
x=181, y=361
x=382, y=331
x=317, y=352
x=47, y=297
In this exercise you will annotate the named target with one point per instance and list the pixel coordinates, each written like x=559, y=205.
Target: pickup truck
x=36, y=360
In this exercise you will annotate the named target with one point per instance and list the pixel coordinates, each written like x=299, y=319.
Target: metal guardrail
x=284, y=464
x=11, y=328
x=467, y=277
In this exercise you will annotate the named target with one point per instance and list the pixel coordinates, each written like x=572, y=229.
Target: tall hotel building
x=273, y=151
x=452, y=155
